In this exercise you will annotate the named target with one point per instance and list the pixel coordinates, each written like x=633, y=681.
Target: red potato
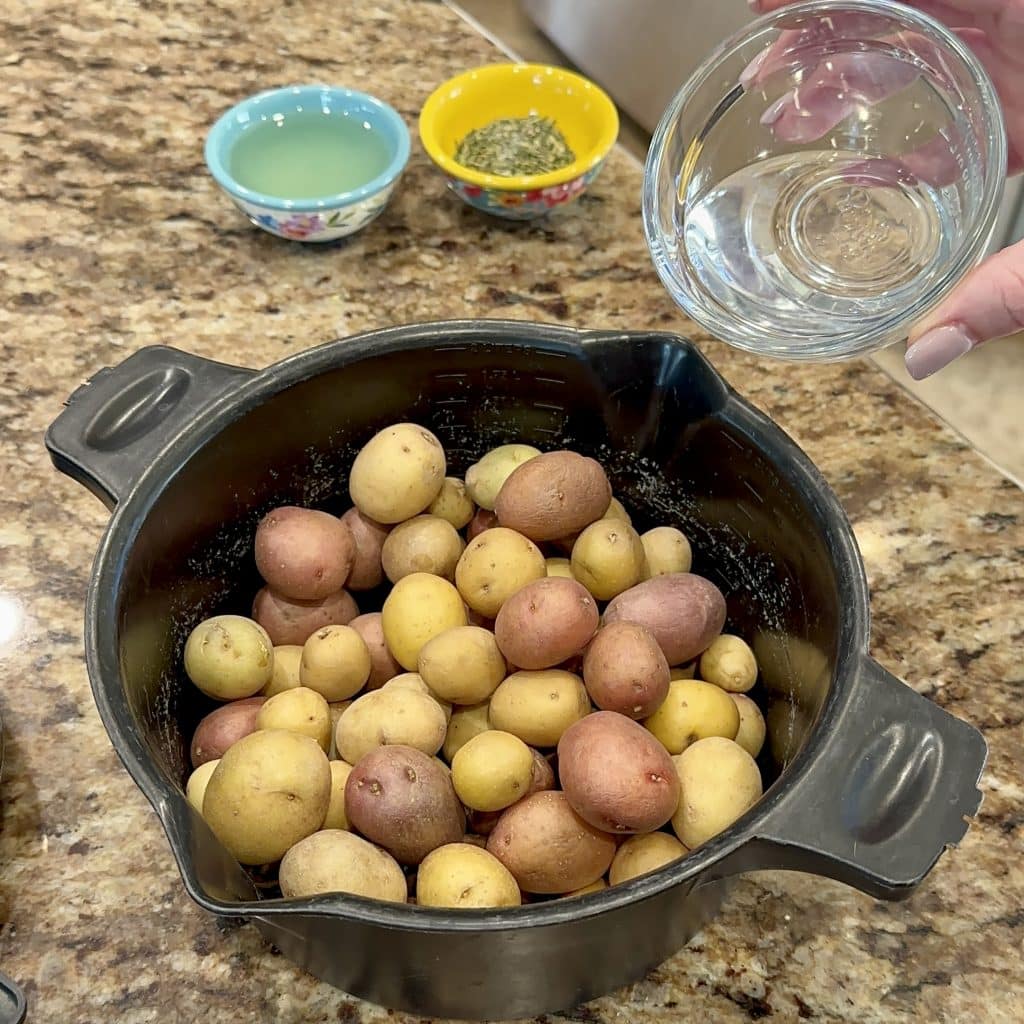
x=304, y=554
x=382, y=665
x=369, y=536
x=222, y=727
x=294, y=622
x=616, y=775
x=624, y=670
x=483, y=519
x=546, y=622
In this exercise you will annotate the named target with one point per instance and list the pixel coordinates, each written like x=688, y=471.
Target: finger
x=987, y=304
x=934, y=163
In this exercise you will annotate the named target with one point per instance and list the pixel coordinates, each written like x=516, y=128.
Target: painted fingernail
x=937, y=348
x=776, y=110
x=749, y=73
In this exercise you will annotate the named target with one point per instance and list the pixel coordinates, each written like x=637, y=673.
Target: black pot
x=869, y=782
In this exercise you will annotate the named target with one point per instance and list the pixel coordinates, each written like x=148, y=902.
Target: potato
x=336, y=816
x=229, y=656
x=474, y=840
x=462, y=665
x=616, y=775
x=539, y=706
x=586, y=890
x=303, y=554
x=337, y=709
x=559, y=567
x=300, y=710
x=752, y=725
x=414, y=681
x=335, y=662
x=453, y=503
x=616, y=510
x=397, y=473
x=418, y=608
x=222, y=727
x=548, y=847
x=496, y=564
x=485, y=478
x=195, y=788
x=466, y=723
x=625, y=671
x=383, y=717
x=369, y=536
x=684, y=671
x=729, y=663
x=542, y=777
x=492, y=771
x=684, y=612
x=424, y=543
x=290, y=622
x=403, y=800
x=718, y=782
x=286, y=670
x=271, y=789
x=608, y=558
x=382, y=664
x=464, y=876
x=546, y=622
x=483, y=519
x=640, y=854
x=338, y=861
x=666, y=551
x=692, y=711
x=553, y=495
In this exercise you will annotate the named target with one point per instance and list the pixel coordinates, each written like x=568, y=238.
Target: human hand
x=989, y=302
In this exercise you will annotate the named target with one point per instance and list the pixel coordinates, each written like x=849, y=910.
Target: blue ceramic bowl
x=327, y=217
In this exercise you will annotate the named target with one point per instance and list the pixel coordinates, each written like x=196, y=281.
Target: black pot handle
x=115, y=424
x=892, y=789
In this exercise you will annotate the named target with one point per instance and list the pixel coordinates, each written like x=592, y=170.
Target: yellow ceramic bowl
x=582, y=111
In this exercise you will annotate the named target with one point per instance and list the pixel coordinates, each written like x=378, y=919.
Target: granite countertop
x=113, y=237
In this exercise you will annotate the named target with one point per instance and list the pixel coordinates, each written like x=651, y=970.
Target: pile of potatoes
x=544, y=705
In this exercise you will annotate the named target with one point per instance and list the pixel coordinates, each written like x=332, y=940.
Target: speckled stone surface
x=113, y=237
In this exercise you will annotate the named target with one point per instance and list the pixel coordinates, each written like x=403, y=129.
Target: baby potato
x=718, y=782
x=453, y=503
x=403, y=800
x=337, y=709
x=335, y=860
x=465, y=876
x=229, y=656
x=243, y=802
x=608, y=558
x=397, y=473
x=336, y=816
x=195, y=788
x=286, y=670
x=640, y=854
x=553, y=495
x=290, y=622
x=683, y=671
x=729, y=663
x=383, y=717
x=548, y=847
x=462, y=665
x=303, y=554
x=542, y=777
x=539, y=706
x=616, y=510
x=625, y=671
x=586, y=890
x=559, y=567
x=492, y=771
x=692, y=711
x=752, y=725
x=369, y=536
x=483, y=519
x=414, y=681
x=300, y=710
x=495, y=564
x=335, y=662
x=382, y=665
x=466, y=722
x=485, y=478
x=666, y=550
x=424, y=543
x=222, y=727
x=546, y=622
x=418, y=608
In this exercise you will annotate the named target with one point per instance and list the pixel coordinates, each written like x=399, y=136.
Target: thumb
x=987, y=304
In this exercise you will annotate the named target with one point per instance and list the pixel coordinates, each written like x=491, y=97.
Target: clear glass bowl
x=813, y=204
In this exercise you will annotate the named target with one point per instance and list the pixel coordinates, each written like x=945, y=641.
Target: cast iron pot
x=867, y=781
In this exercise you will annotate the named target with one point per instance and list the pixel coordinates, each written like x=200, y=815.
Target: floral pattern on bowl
x=324, y=226
x=516, y=204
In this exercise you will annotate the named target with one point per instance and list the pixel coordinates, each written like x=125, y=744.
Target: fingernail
x=754, y=5
x=937, y=348
x=749, y=73
x=776, y=110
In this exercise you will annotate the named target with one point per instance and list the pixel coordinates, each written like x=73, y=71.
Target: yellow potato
x=692, y=711
x=453, y=503
x=338, y=861
x=752, y=725
x=495, y=564
x=466, y=723
x=424, y=543
x=195, y=788
x=229, y=656
x=640, y=854
x=463, y=875
x=539, y=706
x=608, y=558
x=462, y=665
x=335, y=662
x=616, y=510
x=684, y=671
x=337, y=709
x=666, y=550
x=286, y=670
x=414, y=681
x=385, y=717
x=336, y=816
x=484, y=478
x=418, y=608
x=729, y=663
x=300, y=710
x=585, y=890
x=559, y=567
x=492, y=771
